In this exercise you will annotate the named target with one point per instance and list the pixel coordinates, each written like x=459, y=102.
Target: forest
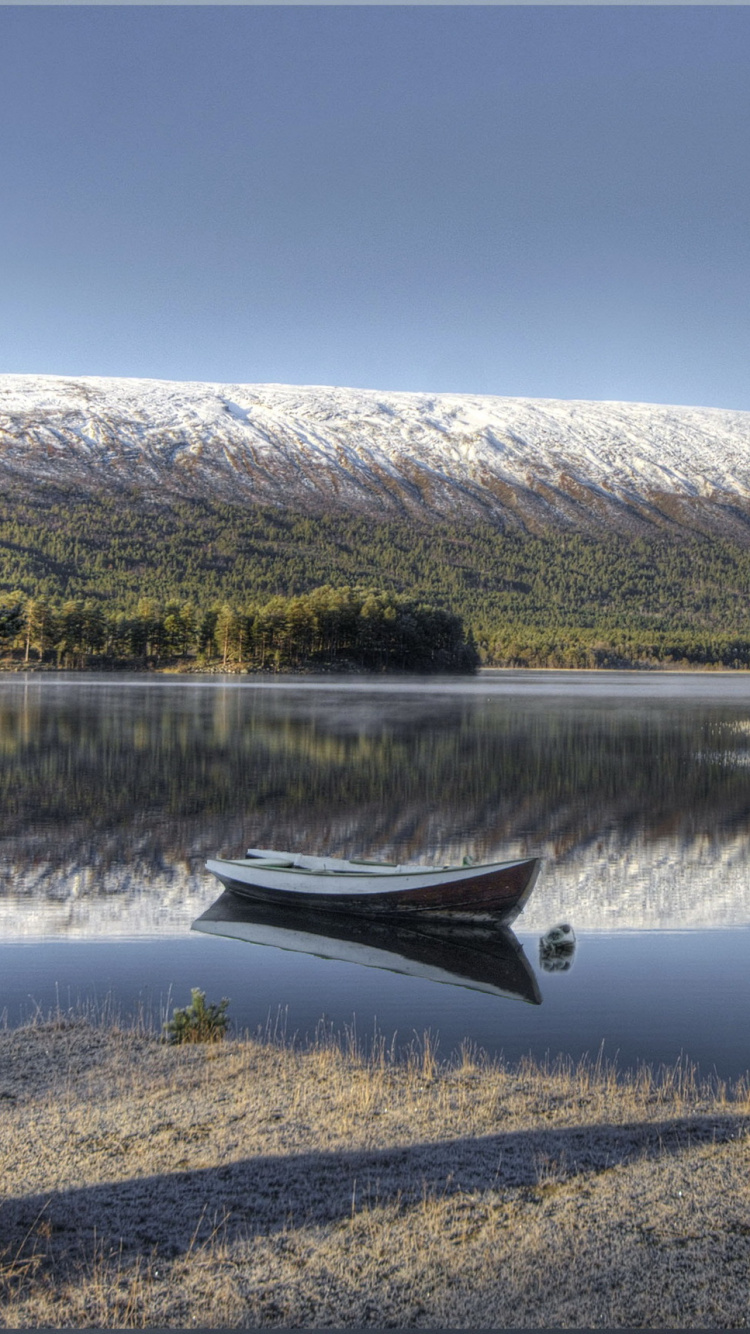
x=132, y=578
x=329, y=627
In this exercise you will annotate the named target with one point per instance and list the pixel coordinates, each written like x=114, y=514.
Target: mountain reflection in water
x=114, y=791
x=484, y=957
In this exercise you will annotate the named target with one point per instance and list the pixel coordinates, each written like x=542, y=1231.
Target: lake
x=633, y=787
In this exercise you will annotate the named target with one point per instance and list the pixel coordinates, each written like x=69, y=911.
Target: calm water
x=635, y=788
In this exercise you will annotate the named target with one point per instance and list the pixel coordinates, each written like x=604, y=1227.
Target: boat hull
x=500, y=890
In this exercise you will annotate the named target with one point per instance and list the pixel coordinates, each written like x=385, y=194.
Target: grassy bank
x=249, y=1184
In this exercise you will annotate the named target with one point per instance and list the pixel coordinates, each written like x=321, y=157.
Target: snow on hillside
x=543, y=458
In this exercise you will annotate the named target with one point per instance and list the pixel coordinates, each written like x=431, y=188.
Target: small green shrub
x=198, y=1022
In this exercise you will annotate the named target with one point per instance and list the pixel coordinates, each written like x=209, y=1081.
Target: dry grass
x=252, y=1184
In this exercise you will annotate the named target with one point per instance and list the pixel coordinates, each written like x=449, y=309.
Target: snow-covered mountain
x=531, y=461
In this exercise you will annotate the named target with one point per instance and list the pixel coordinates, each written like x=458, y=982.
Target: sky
x=529, y=201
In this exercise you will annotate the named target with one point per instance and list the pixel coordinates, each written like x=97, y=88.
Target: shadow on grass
x=169, y=1214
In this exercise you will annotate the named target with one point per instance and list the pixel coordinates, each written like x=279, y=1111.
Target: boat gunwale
x=291, y=868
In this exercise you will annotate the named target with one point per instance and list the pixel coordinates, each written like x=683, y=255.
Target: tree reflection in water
x=398, y=774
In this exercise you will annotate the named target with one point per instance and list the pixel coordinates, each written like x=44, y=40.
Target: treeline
x=551, y=599
x=328, y=627
x=523, y=646
x=66, y=546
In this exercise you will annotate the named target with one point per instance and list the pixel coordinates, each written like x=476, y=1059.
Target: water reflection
x=635, y=791
x=114, y=792
x=485, y=957
x=557, y=948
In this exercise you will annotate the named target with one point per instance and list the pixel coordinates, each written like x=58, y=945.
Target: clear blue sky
x=528, y=201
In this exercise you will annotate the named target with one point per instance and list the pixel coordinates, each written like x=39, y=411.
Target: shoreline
x=644, y=669
x=250, y=1184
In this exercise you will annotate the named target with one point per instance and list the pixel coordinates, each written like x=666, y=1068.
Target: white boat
x=374, y=888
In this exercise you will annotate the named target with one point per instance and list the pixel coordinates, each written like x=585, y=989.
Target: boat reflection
x=483, y=956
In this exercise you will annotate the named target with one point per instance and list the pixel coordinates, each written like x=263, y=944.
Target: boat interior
x=301, y=862
x=290, y=861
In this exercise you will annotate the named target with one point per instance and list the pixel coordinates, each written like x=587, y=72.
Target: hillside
x=563, y=533
x=520, y=463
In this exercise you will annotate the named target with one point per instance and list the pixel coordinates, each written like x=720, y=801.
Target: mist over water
x=634, y=787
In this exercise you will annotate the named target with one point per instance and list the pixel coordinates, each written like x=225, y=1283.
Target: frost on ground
x=249, y=1184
